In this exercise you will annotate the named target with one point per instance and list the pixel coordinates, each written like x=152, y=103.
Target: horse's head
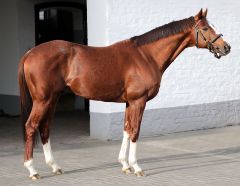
x=206, y=37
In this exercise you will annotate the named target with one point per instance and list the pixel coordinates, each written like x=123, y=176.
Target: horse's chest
x=153, y=84
x=153, y=90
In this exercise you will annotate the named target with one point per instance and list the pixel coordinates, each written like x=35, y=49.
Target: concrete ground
x=207, y=158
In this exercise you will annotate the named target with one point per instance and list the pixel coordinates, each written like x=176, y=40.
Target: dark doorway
x=65, y=21
x=54, y=23
x=61, y=20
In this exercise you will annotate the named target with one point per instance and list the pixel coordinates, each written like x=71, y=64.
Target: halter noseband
x=209, y=43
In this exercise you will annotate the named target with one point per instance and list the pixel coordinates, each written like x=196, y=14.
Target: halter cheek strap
x=209, y=43
x=196, y=33
x=196, y=30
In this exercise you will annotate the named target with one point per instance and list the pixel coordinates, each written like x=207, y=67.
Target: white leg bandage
x=49, y=156
x=123, y=151
x=29, y=165
x=132, y=157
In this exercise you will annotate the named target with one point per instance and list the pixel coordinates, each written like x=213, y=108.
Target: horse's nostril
x=227, y=48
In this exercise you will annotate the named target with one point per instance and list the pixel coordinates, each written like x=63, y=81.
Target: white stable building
x=197, y=91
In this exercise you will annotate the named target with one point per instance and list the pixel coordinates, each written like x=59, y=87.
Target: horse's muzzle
x=218, y=52
x=227, y=48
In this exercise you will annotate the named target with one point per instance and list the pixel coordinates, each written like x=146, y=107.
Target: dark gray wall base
x=9, y=104
x=100, y=125
x=168, y=120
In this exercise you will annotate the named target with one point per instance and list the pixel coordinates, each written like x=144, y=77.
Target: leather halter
x=209, y=43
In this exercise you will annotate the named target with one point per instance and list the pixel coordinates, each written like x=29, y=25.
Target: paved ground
x=208, y=158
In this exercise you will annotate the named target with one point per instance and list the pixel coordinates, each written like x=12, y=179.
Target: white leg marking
x=49, y=157
x=122, y=158
x=132, y=157
x=29, y=165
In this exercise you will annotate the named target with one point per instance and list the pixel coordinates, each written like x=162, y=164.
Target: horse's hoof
x=58, y=172
x=127, y=171
x=140, y=174
x=35, y=177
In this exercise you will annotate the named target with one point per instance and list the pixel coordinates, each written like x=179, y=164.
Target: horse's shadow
x=201, y=159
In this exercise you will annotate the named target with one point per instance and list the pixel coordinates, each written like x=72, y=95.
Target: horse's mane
x=164, y=31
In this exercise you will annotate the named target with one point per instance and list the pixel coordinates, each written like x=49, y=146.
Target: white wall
x=98, y=35
x=9, y=51
x=196, y=77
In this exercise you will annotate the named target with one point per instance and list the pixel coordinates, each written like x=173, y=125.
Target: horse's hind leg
x=37, y=115
x=44, y=130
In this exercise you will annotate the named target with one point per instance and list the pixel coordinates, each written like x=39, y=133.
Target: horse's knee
x=134, y=136
x=133, y=131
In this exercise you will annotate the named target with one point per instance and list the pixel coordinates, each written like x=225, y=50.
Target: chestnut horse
x=129, y=72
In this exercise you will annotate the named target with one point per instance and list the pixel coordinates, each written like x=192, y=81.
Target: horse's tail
x=25, y=99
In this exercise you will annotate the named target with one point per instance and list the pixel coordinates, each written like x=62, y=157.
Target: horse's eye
x=205, y=28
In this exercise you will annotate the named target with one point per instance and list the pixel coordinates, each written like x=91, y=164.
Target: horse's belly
x=98, y=90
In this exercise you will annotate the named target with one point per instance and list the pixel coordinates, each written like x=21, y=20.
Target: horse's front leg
x=132, y=128
x=133, y=159
x=122, y=158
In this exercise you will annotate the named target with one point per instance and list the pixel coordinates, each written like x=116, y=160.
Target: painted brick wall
x=195, y=78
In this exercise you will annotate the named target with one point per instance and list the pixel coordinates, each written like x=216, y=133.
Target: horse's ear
x=205, y=13
x=199, y=15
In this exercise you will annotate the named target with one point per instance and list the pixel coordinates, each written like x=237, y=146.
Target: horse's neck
x=166, y=50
